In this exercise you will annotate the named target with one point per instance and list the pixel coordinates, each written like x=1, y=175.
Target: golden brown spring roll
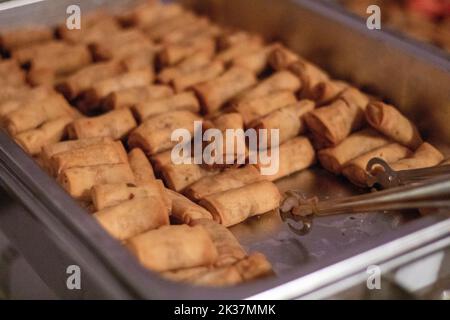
x=93, y=155
x=256, y=108
x=174, y=53
x=25, y=36
x=8, y=93
x=150, y=12
x=133, y=217
x=52, y=131
x=327, y=91
x=195, y=61
x=23, y=55
x=126, y=98
x=424, y=157
x=161, y=159
x=140, y=166
x=186, y=211
x=34, y=113
x=256, y=61
x=85, y=78
x=27, y=96
x=294, y=155
x=140, y=56
x=280, y=81
x=309, y=74
x=355, y=170
x=226, y=180
x=115, y=124
x=281, y=58
x=389, y=121
x=173, y=248
x=11, y=73
x=238, y=50
x=78, y=181
x=109, y=195
x=69, y=60
x=154, y=134
x=101, y=89
x=50, y=150
x=179, y=176
x=159, y=30
x=289, y=121
x=331, y=124
x=193, y=29
x=183, y=101
x=254, y=266
x=228, y=248
x=236, y=205
x=215, y=93
x=200, y=75
x=232, y=38
x=42, y=77
x=355, y=145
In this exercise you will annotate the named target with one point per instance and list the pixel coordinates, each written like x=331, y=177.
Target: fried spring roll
x=11, y=73
x=93, y=155
x=188, y=31
x=389, y=121
x=179, y=176
x=154, y=135
x=183, y=101
x=294, y=155
x=239, y=50
x=186, y=211
x=25, y=36
x=309, y=74
x=355, y=170
x=215, y=93
x=126, y=98
x=140, y=166
x=52, y=131
x=281, y=58
x=69, y=60
x=157, y=31
x=289, y=121
x=115, y=124
x=176, y=52
x=280, y=81
x=85, y=78
x=256, y=61
x=189, y=64
x=109, y=195
x=25, y=54
x=100, y=90
x=226, y=180
x=236, y=205
x=78, y=181
x=133, y=217
x=327, y=91
x=200, y=75
x=161, y=159
x=254, y=266
x=34, y=113
x=331, y=124
x=28, y=96
x=150, y=12
x=139, y=57
x=424, y=157
x=230, y=39
x=228, y=248
x=173, y=248
x=253, y=109
x=8, y=93
x=355, y=145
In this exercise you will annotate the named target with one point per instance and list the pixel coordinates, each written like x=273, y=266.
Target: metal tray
x=52, y=231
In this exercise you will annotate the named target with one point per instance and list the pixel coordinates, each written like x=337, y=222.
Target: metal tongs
x=429, y=188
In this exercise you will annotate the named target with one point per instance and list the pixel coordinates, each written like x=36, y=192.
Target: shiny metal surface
x=337, y=246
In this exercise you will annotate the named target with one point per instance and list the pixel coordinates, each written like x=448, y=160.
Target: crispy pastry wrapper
x=181, y=101
x=28, y=96
x=203, y=74
x=236, y=205
x=179, y=176
x=252, y=110
x=174, y=247
x=355, y=170
x=174, y=53
x=150, y=13
x=11, y=74
x=109, y=195
x=184, y=210
x=389, y=121
x=133, y=217
x=309, y=74
x=78, y=181
x=289, y=120
x=327, y=91
x=126, y=98
x=154, y=134
x=115, y=124
x=355, y=145
x=229, y=179
x=215, y=93
x=141, y=166
x=238, y=50
x=25, y=36
x=228, y=248
x=281, y=58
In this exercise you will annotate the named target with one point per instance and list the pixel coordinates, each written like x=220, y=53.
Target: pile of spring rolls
x=96, y=108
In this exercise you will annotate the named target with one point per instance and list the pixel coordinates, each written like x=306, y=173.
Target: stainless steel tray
x=337, y=247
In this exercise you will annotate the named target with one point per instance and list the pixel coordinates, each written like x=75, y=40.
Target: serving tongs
x=431, y=193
